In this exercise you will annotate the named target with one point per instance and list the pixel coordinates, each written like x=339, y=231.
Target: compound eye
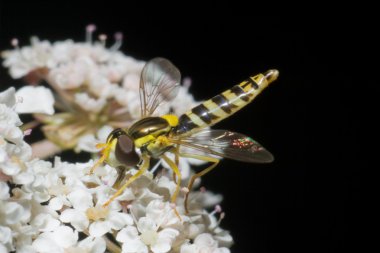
x=125, y=151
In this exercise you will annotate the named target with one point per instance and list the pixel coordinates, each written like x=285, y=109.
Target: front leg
x=144, y=166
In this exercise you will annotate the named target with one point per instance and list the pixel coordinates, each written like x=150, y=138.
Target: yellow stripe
x=234, y=100
x=194, y=118
x=214, y=108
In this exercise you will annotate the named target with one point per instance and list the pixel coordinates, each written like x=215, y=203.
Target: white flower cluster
x=57, y=207
x=96, y=85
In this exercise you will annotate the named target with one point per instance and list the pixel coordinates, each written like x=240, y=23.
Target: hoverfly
x=157, y=136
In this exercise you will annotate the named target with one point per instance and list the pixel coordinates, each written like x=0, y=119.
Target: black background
x=308, y=200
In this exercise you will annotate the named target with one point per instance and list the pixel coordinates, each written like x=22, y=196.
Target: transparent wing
x=226, y=144
x=159, y=82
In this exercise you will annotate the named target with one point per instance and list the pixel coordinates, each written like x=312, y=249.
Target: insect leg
x=214, y=162
x=121, y=175
x=105, y=153
x=144, y=166
x=176, y=160
x=177, y=173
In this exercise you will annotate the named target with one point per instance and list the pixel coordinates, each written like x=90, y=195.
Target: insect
x=157, y=136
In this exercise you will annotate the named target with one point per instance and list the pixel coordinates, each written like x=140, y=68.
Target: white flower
x=88, y=245
x=70, y=75
x=208, y=199
x=4, y=191
x=88, y=142
x=45, y=222
x=7, y=115
x=146, y=237
x=57, y=240
x=132, y=243
x=184, y=101
x=35, y=100
x=102, y=219
x=6, y=238
x=154, y=231
x=22, y=61
x=8, y=97
x=203, y=243
x=12, y=213
x=101, y=86
x=3, y=249
x=89, y=104
x=162, y=213
x=96, y=86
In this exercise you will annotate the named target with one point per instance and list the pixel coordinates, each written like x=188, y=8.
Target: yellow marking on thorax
x=171, y=119
x=163, y=140
x=143, y=140
x=159, y=144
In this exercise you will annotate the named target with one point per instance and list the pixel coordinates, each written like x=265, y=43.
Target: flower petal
x=160, y=247
x=35, y=99
x=77, y=218
x=221, y=250
x=119, y=220
x=25, y=249
x=13, y=212
x=56, y=203
x=10, y=169
x=99, y=228
x=87, y=143
x=45, y=222
x=80, y=199
x=65, y=237
x=89, y=104
x=146, y=224
x=4, y=191
x=165, y=240
x=93, y=245
x=224, y=239
x=209, y=199
x=44, y=244
x=168, y=234
x=5, y=235
x=135, y=246
x=205, y=240
x=8, y=97
x=41, y=196
x=24, y=178
x=189, y=248
x=127, y=234
x=3, y=249
x=194, y=230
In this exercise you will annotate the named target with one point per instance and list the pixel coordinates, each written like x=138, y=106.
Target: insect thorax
x=149, y=133
x=154, y=126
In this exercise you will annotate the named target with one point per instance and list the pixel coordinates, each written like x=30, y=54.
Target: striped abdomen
x=225, y=104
